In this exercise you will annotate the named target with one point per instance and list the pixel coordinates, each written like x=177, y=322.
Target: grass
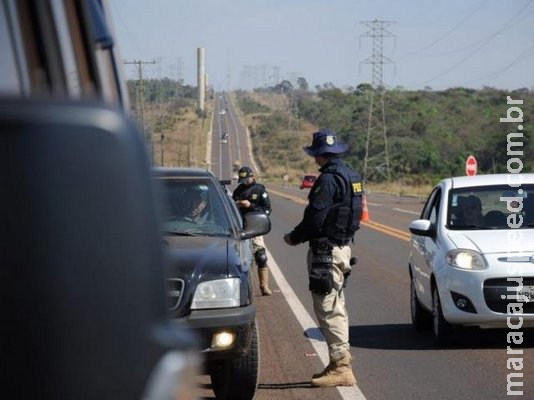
x=399, y=188
x=179, y=137
x=184, y=144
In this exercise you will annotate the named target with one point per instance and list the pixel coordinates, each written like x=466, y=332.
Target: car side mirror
x=255, y=224
x=422, y=227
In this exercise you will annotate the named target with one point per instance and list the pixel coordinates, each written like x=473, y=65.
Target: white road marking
x=308, y=324
x=406, y=211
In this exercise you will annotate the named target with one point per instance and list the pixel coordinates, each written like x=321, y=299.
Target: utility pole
x=376, y=163
x=139, y=99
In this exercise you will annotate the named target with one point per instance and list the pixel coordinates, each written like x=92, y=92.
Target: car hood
x=197, y=255
x=494, y=241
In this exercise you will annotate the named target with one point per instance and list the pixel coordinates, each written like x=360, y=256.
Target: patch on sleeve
x=356, y=187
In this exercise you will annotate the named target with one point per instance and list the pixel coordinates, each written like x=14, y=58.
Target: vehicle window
x=434, y=209
x=72, y=73
x=425, y=214
x=9, y=79
x=489, y=207
x=193, y=207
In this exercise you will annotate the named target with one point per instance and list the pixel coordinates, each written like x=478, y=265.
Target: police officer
x=329, y=222
x=252, y=196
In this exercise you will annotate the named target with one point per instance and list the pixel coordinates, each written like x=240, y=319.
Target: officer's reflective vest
x=343, y=217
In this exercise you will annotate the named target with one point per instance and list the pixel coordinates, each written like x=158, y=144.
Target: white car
x=222, y=112
x=472, y=254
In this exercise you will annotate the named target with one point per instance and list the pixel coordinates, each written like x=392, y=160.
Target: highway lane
x=392, y=361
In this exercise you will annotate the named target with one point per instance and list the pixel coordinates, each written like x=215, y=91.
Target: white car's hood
x=494, y=241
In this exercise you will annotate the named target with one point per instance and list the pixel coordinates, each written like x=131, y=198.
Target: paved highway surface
x=392, y=361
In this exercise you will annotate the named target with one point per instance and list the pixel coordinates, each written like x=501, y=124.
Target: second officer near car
x=251, y=196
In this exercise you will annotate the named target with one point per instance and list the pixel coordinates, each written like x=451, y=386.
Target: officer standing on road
x=252, y=196
x=329, y=223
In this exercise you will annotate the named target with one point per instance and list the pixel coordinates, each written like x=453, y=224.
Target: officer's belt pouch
x=343, y=217
x=321, y=277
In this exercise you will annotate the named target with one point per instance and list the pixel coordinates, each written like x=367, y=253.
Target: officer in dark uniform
x=252, y=196
x=330, y=220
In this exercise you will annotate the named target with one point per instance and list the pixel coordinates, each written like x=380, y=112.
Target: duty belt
x=314, y=242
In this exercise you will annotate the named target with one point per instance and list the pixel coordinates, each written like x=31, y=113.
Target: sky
x=253, y=43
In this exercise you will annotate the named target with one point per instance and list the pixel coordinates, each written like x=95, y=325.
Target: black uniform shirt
x=326, y=191
x=256, y=194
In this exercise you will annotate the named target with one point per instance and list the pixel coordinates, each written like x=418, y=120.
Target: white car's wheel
x=421, y=318
x=441, y=328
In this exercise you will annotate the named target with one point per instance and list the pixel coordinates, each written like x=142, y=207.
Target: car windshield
x=193, y=207
x=491, y=207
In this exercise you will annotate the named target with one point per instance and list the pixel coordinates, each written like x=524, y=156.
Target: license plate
x=526, y=294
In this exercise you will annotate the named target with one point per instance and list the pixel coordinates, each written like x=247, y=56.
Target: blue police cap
x=325, y=141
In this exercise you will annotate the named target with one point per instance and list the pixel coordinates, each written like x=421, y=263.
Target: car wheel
x=442, y=329
x=238, y=379
x=421, y=318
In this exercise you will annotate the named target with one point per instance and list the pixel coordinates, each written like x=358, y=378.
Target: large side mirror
x=255, y=224
x=422, y=227
x=82, y=274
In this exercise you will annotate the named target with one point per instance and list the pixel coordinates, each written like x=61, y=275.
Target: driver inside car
x=196, y=207
x=471, y=211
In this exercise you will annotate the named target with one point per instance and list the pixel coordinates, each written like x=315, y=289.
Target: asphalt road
x=392, y=361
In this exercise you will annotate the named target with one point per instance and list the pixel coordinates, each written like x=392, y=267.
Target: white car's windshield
x=491, y=207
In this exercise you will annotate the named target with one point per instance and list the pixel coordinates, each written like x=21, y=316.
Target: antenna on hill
x=376, y=163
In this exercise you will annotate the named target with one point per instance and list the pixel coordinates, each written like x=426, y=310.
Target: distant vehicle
x=308, y=181
x=210, y=267
x=83, y=274
x=460, y=263
x=222, y=111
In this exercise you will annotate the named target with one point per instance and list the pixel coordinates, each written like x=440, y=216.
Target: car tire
x=238, y=379
x=441, y=328
x=421, y=318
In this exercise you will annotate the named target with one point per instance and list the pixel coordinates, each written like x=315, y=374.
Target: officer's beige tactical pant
x=330, y=309
x=257, y=243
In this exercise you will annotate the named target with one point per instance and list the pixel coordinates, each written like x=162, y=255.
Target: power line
x=522, y=57
x=509, y=23
x=139, y=96
x=448, y=33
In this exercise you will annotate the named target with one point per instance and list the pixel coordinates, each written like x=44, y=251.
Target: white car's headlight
x=466, y=259
x=221, y=293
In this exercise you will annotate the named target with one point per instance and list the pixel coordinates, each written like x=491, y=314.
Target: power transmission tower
x=376, y=163
x=139, y=99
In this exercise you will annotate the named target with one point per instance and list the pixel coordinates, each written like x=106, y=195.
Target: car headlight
x=466, y=259
x=220, y=293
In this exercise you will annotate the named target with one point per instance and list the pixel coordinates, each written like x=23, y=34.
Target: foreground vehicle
x=210, y=289
x=467, y=258
x=83, y=281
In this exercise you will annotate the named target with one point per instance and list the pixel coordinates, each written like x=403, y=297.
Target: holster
x=321, y=277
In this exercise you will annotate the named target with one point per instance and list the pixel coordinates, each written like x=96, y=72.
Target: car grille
x=495, y=288
x=175, y=290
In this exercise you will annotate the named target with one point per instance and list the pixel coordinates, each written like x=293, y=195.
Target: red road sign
x=471, y=166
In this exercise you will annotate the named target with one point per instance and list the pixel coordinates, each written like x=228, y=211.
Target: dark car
x=210, y=262
x=308, y=181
